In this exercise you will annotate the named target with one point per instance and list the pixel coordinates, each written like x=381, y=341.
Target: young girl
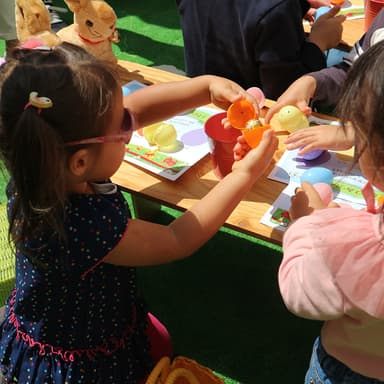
x=332, y=267
x=75, y=315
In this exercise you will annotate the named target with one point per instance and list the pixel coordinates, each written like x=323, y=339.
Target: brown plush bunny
x=93, y=28
x=33, y=22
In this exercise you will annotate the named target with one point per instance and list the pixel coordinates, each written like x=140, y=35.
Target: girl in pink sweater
x=333, y=263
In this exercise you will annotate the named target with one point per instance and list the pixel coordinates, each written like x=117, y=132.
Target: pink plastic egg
x=258, y=94
x=325, y=192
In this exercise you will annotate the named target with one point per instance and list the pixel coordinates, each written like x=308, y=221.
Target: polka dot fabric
x=72, y=318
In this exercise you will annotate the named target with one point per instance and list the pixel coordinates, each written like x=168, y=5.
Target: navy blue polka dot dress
x=72, y=318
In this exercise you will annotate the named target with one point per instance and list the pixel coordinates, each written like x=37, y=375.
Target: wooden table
x=196, y=182
x=352, y=29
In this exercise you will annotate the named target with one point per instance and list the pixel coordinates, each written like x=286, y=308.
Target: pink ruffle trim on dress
x=109, y=347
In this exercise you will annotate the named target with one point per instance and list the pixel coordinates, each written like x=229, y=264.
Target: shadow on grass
x=223, y=308
x=146, y=50
x=161, y=13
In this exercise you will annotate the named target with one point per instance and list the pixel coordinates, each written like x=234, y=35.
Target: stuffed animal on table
x=93, y=28
x=33, y=22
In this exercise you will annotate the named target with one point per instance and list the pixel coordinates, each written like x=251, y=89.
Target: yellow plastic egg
x=149, y=132
x=165, y=137
x=292, y=119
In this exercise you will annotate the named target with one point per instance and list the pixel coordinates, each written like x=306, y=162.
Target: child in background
x=256, y=42
x=75, y=315
x=324, y=87
x=332, y=267
x=8, y=24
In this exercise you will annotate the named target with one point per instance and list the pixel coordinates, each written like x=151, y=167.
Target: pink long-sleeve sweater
x=333, y=270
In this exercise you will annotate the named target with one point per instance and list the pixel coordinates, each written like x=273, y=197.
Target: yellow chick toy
x=292, y=119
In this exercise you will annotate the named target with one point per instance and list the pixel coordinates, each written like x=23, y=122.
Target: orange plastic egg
x=240, y=112
x=254, y=133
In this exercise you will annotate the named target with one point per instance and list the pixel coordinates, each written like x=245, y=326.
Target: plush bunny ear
x=33, y=22
x=76, y=5
x=31, y=17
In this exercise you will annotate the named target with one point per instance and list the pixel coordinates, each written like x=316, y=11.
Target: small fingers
x=331, y=13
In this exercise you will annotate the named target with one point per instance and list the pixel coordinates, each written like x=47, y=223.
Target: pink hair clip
x=38, y=102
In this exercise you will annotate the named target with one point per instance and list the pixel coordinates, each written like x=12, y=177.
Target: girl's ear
x=79, y=162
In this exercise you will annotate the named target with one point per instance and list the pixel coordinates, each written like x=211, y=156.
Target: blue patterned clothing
x=72, y=318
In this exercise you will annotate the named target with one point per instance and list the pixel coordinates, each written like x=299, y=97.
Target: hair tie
x=38, y=102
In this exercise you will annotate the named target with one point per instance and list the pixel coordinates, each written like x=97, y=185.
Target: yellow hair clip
x=38, y=102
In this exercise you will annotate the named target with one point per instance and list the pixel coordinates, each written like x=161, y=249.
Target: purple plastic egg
x=312, y=155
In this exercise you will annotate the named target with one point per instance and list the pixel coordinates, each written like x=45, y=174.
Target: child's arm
x=161, y=101
x=306, y=283
x=146, y=243
x=333, y=137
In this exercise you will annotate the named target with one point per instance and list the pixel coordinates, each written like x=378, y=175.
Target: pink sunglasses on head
x=125, y=134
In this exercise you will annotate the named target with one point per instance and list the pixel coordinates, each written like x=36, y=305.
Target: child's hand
x=298, y=94
x=305, y=201
x=310, y=16
x=224, y=92
x=255, y=161
x=319, y=3
x=241, y=148
x=333, y=137
x=326, y=31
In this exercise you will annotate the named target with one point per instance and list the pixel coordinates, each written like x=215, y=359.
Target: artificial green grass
x=223, y=308
x=222, y=305
x=149, y=31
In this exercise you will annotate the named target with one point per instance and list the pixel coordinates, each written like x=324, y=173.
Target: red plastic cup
x=221, y=142
x=371, y=9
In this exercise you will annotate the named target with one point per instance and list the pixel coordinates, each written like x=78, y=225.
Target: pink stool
x=371, y=9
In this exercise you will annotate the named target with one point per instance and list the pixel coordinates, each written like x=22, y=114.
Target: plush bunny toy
x=94, y=28
x=33, y=22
